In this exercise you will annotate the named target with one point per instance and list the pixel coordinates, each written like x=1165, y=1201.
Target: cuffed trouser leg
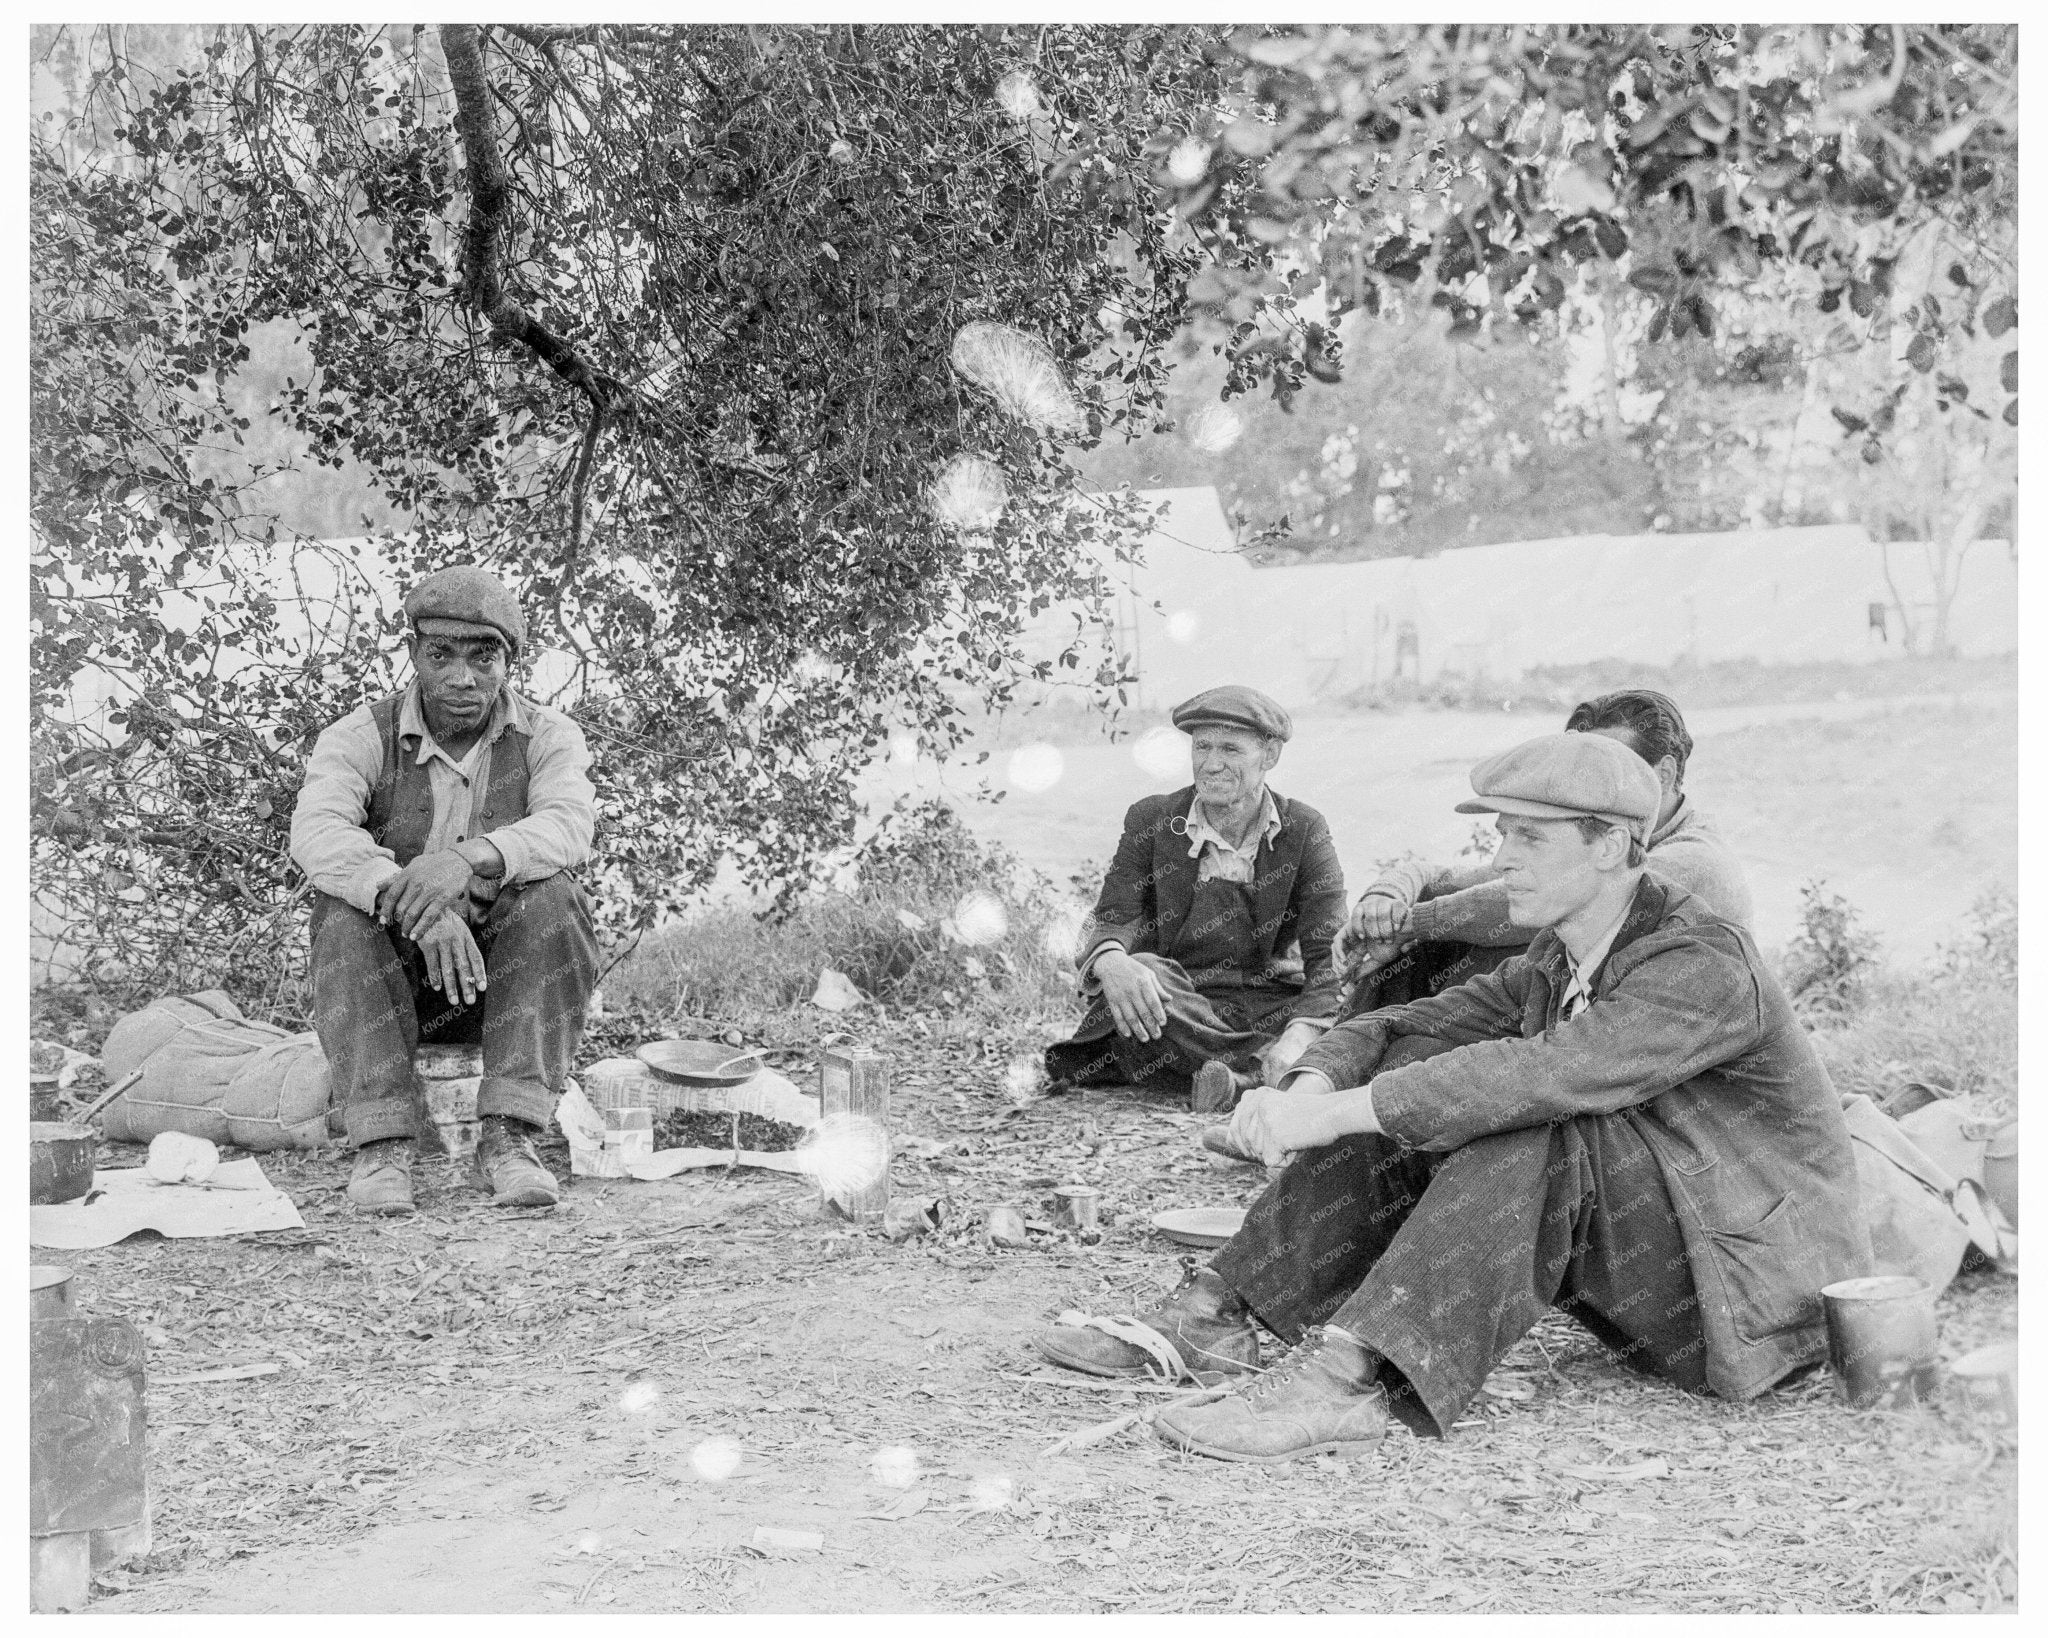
x=1439, y=1263
x=364, y=1014
x=540, y=957
x=1231, y=1025
x=1424, y=969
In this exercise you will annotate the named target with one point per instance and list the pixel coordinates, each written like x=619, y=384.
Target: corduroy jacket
x=1297, y=893
x=1692, y=1042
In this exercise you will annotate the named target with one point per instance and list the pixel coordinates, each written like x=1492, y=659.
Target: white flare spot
x=843, y=1153
x=979, y=918
x=969, y=493
x=1214, y=428
x=591, y=1543
x=1183, y=625
x=640, y=1398
x=992, y=1492
x=1017, y=92
x=896, y=1466
x=1189, y=161
x=903, y=749
x=716, y=1458
x=1162, y=752
x=1022, y=1079
x=1062, y=936
x=1017, y=370
x=1036, y=767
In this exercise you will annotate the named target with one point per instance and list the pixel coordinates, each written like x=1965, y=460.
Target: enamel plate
x=1205, y=1226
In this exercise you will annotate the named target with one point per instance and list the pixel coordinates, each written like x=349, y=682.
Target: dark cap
x=468, y=596
x=1234, y=706
x=1569, y=776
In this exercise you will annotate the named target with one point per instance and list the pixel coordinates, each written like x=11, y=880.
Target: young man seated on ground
x=439, y=826
x=1625, y=1121
x=1421, y=928
x=1208, y=954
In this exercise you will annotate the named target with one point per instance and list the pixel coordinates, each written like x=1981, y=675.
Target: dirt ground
x=480, y=1410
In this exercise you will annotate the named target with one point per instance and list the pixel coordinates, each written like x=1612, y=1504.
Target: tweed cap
x=469, y=596
x=1566, y=776
x=1234, y=706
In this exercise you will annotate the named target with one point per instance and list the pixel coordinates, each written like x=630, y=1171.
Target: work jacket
x=1297, y=892
x=1691, y=1041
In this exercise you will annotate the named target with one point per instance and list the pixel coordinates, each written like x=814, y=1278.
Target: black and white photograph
x=955, y=819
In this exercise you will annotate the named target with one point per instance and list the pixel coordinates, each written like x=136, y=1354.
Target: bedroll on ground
x=203, y=1068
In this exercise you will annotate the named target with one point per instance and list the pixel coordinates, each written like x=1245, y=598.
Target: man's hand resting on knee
x=1132, y=994
x=455, y=966
x=1274, y=1124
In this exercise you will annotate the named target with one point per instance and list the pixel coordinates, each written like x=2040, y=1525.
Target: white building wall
x=1200, y=614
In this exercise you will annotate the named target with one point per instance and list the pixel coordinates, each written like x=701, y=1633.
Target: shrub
x=1952, y=1029
x=932, y=918
x=1831, y=956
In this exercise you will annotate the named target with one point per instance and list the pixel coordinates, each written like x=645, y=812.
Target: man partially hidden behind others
x=1207, y=960
x=1625, y=1121
x=439, y=825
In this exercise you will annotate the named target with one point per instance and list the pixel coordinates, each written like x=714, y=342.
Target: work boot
x=505, y=1157
x=1207, y=1323
x=1218, y=1087
x=381, y=1183
x=1322, y=1396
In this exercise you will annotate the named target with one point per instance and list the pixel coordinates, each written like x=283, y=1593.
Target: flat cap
x=1234, y=706
x=1565, y=776
x=469, y=596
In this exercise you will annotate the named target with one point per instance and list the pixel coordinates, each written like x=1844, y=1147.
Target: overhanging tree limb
x=490, y=195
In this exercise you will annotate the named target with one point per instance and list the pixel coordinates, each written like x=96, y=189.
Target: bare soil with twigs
x=485, y=1410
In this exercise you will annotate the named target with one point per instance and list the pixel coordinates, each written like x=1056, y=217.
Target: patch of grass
x=933, y=919
x=1952, y=1027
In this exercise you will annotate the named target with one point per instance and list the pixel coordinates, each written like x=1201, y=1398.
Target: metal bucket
x=1077, y=1205
x=59, y=1162
x=1991, y=1378
x=1881, y=1339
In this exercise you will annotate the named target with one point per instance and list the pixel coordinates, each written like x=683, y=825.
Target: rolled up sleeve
x=329, y=840
x=561, y=804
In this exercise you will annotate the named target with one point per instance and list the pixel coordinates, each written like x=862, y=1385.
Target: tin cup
x=1881, y=1339
x=1075, y=1205
x=1991, y=1378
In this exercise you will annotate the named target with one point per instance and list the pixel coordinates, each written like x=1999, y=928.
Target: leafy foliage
x=1483, y=166
x=655, y=321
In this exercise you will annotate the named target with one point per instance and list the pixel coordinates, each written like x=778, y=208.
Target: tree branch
x=490, y=195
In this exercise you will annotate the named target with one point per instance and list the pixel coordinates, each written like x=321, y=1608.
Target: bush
x=1952, y=1029
x=934, y=918
x=1830, y=957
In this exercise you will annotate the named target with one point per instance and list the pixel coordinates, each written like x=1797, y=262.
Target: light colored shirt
x=332, y=846
x=1578, y=994
x=1219, y=859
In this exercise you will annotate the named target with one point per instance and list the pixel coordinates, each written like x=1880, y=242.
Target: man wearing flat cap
x=1624, y=1121
x=1207, y=959
x=439, y=826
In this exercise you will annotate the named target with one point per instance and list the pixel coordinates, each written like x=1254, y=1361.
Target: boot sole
x=1212, y=1368
x=1329, y=1447
x=527, y=1197
x=389, y=1208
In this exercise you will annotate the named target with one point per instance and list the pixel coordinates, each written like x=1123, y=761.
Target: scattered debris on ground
x=660, y=1395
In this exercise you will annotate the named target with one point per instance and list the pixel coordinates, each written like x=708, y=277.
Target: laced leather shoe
x=505, y=1157
x=1321, y=1397
x=381, y=1182
x=1207, y=1323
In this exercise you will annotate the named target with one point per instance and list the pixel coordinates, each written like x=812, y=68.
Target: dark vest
x=402, y=801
